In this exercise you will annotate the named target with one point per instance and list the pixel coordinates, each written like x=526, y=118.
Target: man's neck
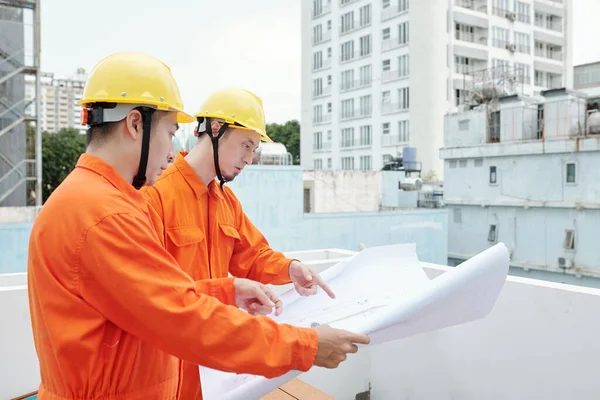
x=201, y=159
x=115, y=158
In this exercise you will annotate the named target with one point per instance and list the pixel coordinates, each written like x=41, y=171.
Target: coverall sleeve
x=126, y=274
x=253, y=258
x=212, y=287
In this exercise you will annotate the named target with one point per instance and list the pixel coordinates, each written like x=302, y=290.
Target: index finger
x=323, y=285
x=360, y=339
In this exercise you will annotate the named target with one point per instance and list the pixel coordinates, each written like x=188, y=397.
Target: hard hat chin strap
x=140, y=179
x=215, y=144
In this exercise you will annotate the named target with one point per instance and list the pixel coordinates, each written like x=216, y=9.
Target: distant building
x=525, y=171
x=378, y=76
x=59, y=96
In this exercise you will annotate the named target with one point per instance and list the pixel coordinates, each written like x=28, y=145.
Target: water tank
x=594, y=123
x=408, y=184
x=409, y=158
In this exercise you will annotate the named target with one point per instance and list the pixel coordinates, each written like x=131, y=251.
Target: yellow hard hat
x=237, y=107
x=137, y=79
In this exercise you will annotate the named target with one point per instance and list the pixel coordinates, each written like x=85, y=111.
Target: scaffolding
x=20, y=154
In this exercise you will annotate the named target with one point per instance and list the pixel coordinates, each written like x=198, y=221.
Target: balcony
x=323, y=65
x=478, y=37
x=320, y=11
x=474, y=5
x=390, y=44
x=391, y=108
x=326, y=91
x=322, y=38
x=550, y=24
x=357, y=113
x=355, y=26
x=391, y=140
x=389, y=76
x=355, y=85
x=392, y=11
x=344, y=3
x=322, y=119
x=321, y=147
x=500, y=12
x=556, y=55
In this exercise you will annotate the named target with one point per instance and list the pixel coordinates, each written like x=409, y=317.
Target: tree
x=289, y=135
x=60, y=152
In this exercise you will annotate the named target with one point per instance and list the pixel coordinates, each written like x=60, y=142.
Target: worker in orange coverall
x=202, y=222
x=112, y=312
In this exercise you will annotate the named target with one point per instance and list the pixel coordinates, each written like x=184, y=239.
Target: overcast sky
x=214, y=44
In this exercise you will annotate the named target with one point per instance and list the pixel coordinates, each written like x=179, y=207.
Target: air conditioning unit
x=565, y=263
x=511, y=47
x=511, y=16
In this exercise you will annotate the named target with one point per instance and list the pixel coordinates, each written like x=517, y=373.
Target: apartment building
x=59, y=96
x=379, y=75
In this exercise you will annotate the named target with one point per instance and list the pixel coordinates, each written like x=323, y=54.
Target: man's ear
x=134, y=124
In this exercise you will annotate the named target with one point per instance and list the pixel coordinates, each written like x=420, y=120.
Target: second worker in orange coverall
x=202, y=222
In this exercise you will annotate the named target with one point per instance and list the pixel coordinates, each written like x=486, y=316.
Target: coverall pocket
x=227, y=240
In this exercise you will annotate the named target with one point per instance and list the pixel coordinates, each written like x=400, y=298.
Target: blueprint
x=385, y=293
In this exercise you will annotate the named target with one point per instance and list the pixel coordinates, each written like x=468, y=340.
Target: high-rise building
x=378, y=76
x=59, y=96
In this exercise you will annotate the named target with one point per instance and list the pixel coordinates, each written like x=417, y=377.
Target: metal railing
x=22, y=172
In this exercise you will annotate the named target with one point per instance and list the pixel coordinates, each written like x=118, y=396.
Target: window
x=492, y=234
x=328, y=80
x=465, y=33
x=365, y=163
x=317, y=140
x=385, y=128
x=452, y=163
x=499, y=37
x=329, y=136
x=365, y=75
x=365, y=15
x=571, y=178
x=403, y=98
x=365, y=135
x=318, y=164
x=403, y=67
x=386, y=33
x=329, y=52
x=347, y=22
x=348, y=79
x=318, y=113
x=347, y=137
x=318, y=60
x=317, y=33
x=386, y=65
x=329, y=163
x=365, y=45
x=569, y=242
x=317, y=87
x=523, y=11
x=462, y=163
x=329, y=25
x=493, y=175
x=365, y=105
x=385, y=3
x=328, y=108
x=348, y=50
x=523, y=73
x=403, y=134
x=385, y=97
x=463, y=125
x=522, y=42
x=478, y=162
x=403, y=5
x=348, y=163
x=347, y=108
x=403, y=33
x=499, y=67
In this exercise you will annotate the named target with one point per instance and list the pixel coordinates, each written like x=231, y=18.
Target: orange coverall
x=209, y=235
x=112, y=311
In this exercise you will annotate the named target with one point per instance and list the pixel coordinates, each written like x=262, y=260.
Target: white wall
x=465, y=129
x=539, y=342
x=19, y=371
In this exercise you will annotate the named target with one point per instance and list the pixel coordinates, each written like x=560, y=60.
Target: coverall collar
x=107, y=171
x=192, y=178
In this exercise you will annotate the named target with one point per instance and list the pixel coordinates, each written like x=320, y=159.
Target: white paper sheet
x=383, y=292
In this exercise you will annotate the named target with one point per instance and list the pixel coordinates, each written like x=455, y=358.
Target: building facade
x=380, y=75
x=525, y=172
x=59, y=96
